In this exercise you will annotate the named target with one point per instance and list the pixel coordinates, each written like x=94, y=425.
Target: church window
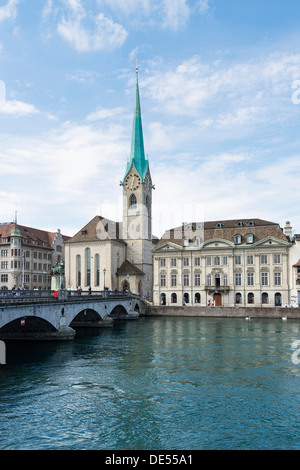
x=97, y=263
x=78, y=269
x=88, y=266
x=132, y=202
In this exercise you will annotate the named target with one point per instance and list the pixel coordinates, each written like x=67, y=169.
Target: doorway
x=218, y=300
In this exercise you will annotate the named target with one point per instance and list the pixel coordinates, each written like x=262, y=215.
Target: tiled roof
x=297, y=264
x=225, y=230
x=129, y=268
x=33, y=236
x=98, y=229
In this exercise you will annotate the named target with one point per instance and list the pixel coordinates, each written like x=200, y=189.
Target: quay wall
x=238, y=312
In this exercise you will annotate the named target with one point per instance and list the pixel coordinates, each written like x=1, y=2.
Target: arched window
x=197, y=298
x=250, y=298
x=237, y=239
x=132, y=202
x=174, y=298
x=277, y=299
x=264, y=298
x=250, y=238
x=88, y=266
x=97, y=270
x=186, y=298
x=78, y=270
x=162, y=299
x=238, y=298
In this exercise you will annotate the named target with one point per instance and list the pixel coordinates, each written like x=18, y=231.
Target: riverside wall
x=238, y=312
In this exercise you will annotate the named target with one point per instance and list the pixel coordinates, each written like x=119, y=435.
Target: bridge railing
x=15, y=296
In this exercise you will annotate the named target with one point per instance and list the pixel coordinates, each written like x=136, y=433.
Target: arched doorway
x=125, y=286
x=174, y=298
x=162, y=299
x=218, y=299
x=197, y=298
x=277, y=299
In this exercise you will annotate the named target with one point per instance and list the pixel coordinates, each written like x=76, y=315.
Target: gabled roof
x=98, y=229
x=129, y=268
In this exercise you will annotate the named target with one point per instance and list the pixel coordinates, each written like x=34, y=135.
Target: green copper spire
x=15, y=232
x=137, y=154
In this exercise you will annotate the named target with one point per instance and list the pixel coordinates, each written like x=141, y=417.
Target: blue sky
x=220, y=93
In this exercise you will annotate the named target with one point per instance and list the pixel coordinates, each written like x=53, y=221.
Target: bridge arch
x=118, y=312
x=86, y=318
x=26, y=326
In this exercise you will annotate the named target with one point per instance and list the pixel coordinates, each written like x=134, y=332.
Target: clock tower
x=137, y=205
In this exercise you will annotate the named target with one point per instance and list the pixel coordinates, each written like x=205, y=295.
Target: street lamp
x=104, y=271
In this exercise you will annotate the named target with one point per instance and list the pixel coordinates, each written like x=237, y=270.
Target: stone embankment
x=232, y=312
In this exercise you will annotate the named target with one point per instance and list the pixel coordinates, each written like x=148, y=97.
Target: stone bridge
x=57, y=318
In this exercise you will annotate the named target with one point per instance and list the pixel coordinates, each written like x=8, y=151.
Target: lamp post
x=104, y=271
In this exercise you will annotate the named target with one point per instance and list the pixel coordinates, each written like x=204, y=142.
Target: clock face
x=132, y=181
x=147, y=183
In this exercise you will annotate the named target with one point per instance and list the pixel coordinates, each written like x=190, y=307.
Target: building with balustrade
x=245, y=262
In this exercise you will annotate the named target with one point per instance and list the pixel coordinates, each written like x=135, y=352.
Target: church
x=106, y=254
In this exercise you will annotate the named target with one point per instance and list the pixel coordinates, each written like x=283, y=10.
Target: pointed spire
x=16, y=232
x=137, y=154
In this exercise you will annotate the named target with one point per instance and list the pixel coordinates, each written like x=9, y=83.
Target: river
x=156, y=383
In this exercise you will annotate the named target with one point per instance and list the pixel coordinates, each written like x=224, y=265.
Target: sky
x=220, y=98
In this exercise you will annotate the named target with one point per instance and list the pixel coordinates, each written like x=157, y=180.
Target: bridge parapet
x=60, y=312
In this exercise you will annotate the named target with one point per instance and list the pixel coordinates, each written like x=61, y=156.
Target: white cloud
x=86, y=31
x=105, y=113
x=9, y=10
x=17, y=108
x=176, y=14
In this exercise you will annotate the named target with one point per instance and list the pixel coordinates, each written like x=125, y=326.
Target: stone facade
x=223, y=263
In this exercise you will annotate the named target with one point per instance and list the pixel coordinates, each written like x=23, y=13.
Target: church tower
x=137, y=204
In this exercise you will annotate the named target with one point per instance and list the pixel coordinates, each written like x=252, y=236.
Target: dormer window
x=251, y=223
x=237, y=239
x=219, y=225
x=185, y=241
x=250, y=238
x=239, y=223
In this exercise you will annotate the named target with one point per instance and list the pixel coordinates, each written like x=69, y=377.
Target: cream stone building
x=223, y=263
x=117, y=255
x=294, y=267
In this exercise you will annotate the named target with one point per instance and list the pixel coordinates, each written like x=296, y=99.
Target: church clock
x=132, y=181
